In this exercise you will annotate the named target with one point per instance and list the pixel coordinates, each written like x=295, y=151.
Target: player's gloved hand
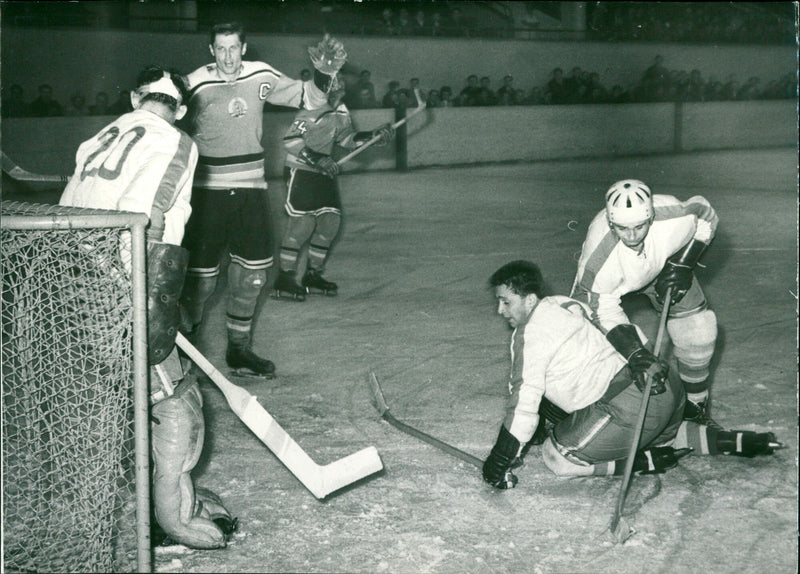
x=328, y=56
x=641, y=362
x=677, y=272
x=386, y=133
x=328, y=165
x=645, y=364
x=497, y=466
x=674, y=275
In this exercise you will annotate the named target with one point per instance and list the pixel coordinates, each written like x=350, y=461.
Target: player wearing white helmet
x=646, y=243
x=142, y=163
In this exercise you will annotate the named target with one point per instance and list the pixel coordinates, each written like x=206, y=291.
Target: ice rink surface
x=412, y=262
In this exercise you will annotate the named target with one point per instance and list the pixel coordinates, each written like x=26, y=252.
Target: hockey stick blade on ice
x=383, y=409
x=619, y=527
x=320, y=480
x=15, y=172
x=369, y=143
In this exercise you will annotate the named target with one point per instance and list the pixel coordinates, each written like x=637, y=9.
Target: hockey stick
x=17, y=173
x=383, y=409
x=369, y=143
x=321, y=480
x=619, y=527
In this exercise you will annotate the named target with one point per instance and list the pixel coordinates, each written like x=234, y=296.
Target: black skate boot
x=698, y=413
x=658, y=460
x=245, y=363
x=747, y=443
x=287, y=288
x=314, y=280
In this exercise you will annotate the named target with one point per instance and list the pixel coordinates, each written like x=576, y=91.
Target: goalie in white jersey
x=142, y=163
x=558, y=355
x=646, y=243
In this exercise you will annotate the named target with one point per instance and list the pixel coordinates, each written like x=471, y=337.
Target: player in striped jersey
x=226, y=110
x=647, y=243
x=557, y=354
x=142, y=163
x=312, y=199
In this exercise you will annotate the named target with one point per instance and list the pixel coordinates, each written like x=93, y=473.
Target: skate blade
x=288, y=296
x=243, y=373
x=329, y=293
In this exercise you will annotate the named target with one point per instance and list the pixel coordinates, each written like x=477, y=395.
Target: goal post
x=75, y=412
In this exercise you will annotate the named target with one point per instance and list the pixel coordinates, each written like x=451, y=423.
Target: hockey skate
x=245, y=363
x=747, y=443
x=287, y=288
x=314, y=282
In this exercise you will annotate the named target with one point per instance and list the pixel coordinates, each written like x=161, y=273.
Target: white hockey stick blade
x=369, y=143
x=17, y=173
x=320, y=480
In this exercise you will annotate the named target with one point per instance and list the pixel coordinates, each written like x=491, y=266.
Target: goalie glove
x=498, y=465
x=677, y=273
x=328, y=56
x=641, y=362
x=320, y=162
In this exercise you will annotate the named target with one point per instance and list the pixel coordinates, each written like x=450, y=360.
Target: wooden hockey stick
x=321, y=480
x=383, y=409
x=369, y=143
x=17, y=173
x=619, y=527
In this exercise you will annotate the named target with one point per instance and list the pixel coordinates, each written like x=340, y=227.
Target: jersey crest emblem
x=237, y=107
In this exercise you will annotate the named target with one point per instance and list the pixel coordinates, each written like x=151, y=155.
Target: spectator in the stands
x=574, y=87
x=14, y=104
x=434, y=101
x=403, y=23
x=44, y=105
x=362, y=100
x=596, y=92
x=457, y=26
x=387, y=26
x=437, y=25
x=730, y=89
x=122, y=105
x=507, y=94
x=77, y=105
x=390, y=99
x=469, y=94
x=100, y=106
x=655, y=81
x=536, y=97
x=413, y=87
x=446, y=95
x=486, y=95
x=556, y=91
x=419, y=26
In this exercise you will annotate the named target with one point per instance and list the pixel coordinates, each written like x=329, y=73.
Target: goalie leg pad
x=166, y=270
x=177, y=441
x=694, y=337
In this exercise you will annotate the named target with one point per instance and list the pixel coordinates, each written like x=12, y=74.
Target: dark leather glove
x=641, y=362
x=497, y=467
x=386, y=134
x=328, y=165
x=678, y=271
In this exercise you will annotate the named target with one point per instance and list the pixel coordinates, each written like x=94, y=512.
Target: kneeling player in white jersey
x=648, y=243
x=312, y=199
x=142, y=163
x=557, y=354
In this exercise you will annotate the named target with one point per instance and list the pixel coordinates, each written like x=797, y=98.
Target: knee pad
x=559, y=464
x=694, y=338
x=244, y=287
x=298, y=231
x=327, y=228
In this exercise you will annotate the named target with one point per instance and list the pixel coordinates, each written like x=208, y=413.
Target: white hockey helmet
x=629, y=201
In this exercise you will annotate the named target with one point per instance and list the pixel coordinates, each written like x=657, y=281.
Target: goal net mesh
x=67, y=399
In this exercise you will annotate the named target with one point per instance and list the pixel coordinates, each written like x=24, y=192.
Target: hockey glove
x=320, y=161
x=677, y=272
x=641, y=362
x=386, y=133
x=328, y=56
x=497, y=467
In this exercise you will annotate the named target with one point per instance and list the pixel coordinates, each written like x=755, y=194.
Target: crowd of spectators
x=47, y=105
x=578, y=86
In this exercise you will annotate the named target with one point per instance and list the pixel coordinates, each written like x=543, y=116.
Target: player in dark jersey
x=312, y=199
x=226, y=110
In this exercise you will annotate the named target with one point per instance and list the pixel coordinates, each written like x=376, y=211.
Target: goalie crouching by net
x=142, y=163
